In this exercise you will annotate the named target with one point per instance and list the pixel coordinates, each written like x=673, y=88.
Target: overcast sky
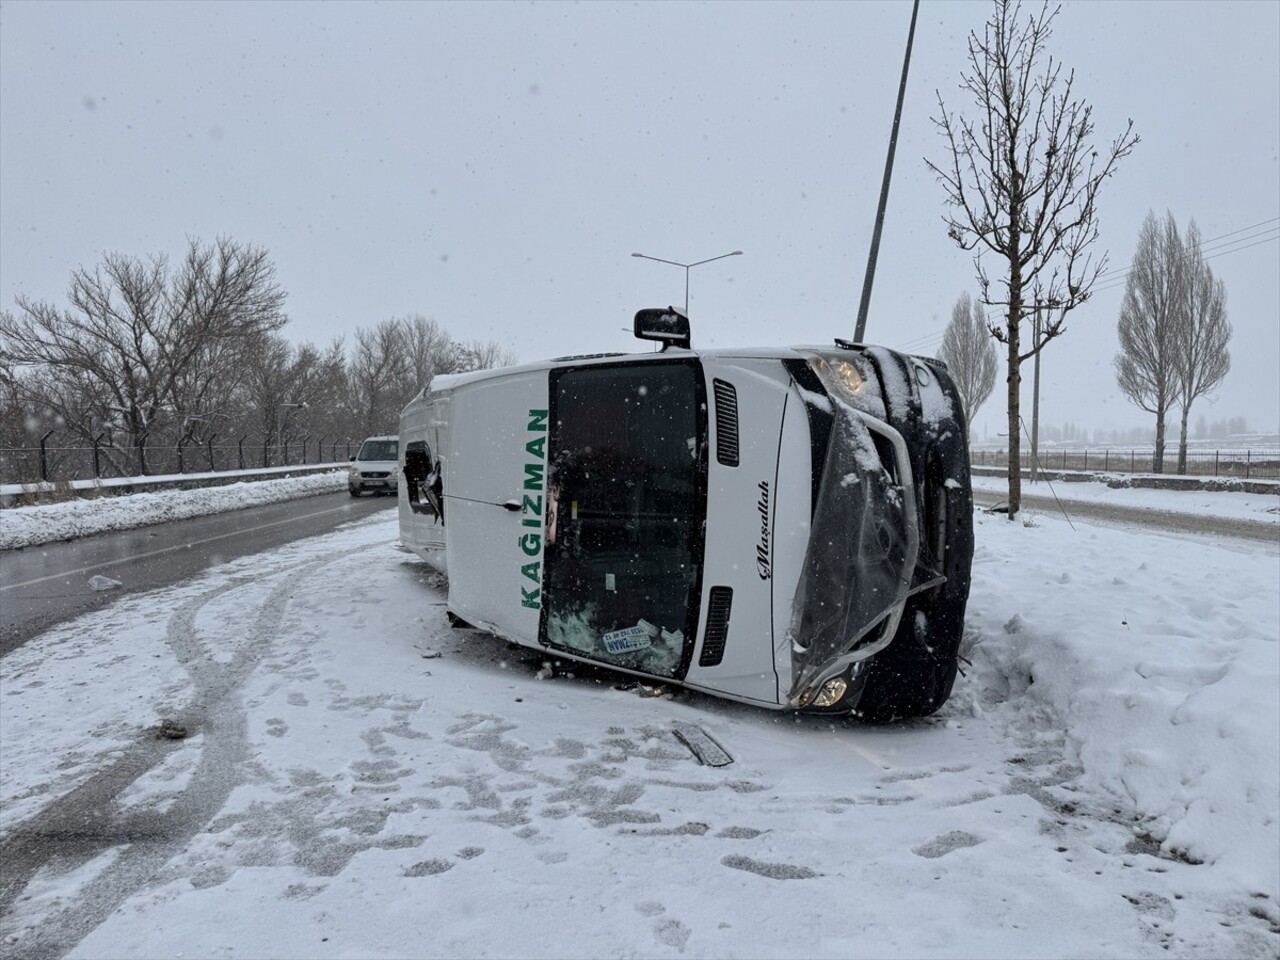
x=494, y=165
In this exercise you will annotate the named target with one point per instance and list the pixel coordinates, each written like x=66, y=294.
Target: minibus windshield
x=626, y=490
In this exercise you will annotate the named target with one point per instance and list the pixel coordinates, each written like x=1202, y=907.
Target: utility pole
x=1035, y=401
x=861, y=329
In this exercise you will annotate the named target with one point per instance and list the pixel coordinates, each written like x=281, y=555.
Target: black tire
x=903, y=681
x=353, y=491
x=913, y=676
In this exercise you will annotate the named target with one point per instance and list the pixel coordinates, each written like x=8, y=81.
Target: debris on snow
x=170, y=730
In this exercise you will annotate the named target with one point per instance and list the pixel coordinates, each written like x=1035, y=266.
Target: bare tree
x=1201, y=357
x=484, y=355
x=1022, y=180
x=428, y=350
x=266, y=386
x=1152, y=310
x=970, y=355
x=298, y=386
x=378, y=372
x=145, y=342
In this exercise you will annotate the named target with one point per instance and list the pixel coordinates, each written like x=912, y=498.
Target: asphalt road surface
x=1138, y=517
x=47, y=584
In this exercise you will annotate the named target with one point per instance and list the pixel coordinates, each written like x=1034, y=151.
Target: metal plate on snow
x=701, y=745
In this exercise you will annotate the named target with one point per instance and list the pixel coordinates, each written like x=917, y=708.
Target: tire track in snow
x=88, y=822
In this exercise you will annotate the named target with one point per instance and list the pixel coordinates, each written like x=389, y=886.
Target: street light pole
x=860, y=328
x=687, y=268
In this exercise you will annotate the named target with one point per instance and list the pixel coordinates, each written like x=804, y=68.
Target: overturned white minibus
x=787, y=527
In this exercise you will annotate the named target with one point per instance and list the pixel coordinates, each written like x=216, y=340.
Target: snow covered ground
x=362, y=781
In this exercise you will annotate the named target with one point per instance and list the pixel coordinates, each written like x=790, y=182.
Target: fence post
x=240, y=446
x=1106, y=460
x=305, y=439
x=97, y=467
x=1215, y=463
x=44, y=457
x=211, y=438
x=186, y=438
x=284, y=451
x=320, y=449
x=1248, y=455
x=1132, y=461
x=348, y=449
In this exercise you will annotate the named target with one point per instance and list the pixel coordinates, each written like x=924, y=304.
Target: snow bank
x=1160, y=664
x=28, y=526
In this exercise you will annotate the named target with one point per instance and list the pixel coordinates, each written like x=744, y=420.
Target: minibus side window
x=422, y=480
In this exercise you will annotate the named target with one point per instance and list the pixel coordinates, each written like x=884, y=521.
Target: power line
x=921, y=344
x=1117, y=282
x=924, y=337
x=1121, y=278
x=1104, y=277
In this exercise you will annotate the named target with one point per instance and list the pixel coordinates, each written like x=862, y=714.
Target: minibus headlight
x=840, y=374
x=830, y=693
x=850, y=378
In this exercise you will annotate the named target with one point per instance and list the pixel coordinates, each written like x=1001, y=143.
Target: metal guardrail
x=1244, y=464
x=50, y=463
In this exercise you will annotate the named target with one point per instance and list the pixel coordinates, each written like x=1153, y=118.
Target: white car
x=787, y=527
x=375, y=467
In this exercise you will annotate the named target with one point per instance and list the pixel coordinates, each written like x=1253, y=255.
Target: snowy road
x=358, y=779
x=46, y=584
x=1119, y=514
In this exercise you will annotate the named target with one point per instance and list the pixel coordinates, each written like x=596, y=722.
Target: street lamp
x=687, y=268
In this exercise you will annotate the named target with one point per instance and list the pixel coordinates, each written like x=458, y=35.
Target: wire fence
x=1245, y=464
x=50, y=462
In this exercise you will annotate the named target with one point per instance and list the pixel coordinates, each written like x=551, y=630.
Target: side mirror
x=668, y=325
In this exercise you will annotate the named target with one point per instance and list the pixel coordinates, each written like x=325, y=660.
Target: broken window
x=422, y=477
